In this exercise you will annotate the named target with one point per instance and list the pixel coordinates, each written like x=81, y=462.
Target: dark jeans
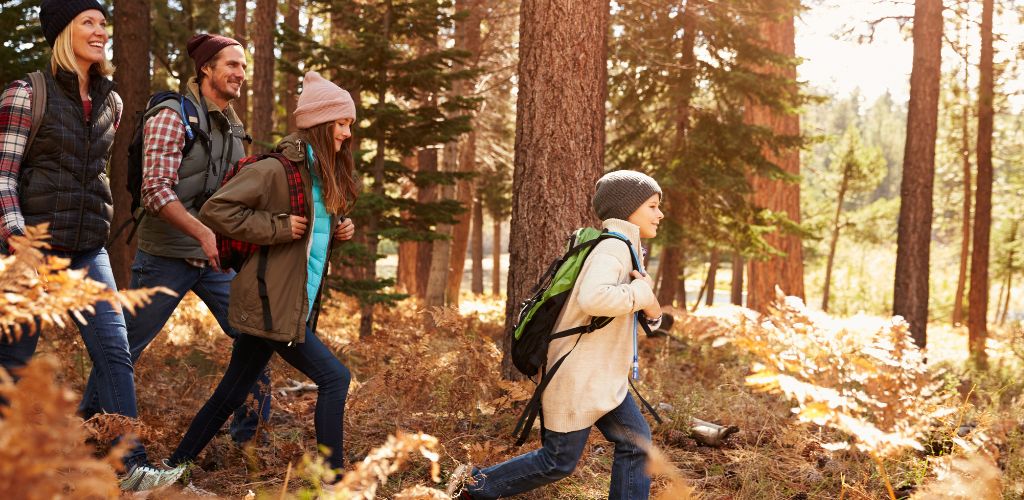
x=212, y=287
x=624, y=426
x=248, y=360
x=106, y=341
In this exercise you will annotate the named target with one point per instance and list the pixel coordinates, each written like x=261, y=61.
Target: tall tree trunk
x=712, y=274
x=373, y=239
x=440, y=255
x=787, y=271
x=965, y=226
x=836, y=227
x=1009, y=290
x=291, y=80
x=131, y=50
x=467, y=38
x=264, y=23
x=736, y=293
x=407, y=250
x=977, y=312
x=477, y=245
x=910, y=294
x=426, y=158
x=496, y=256
x=559, y=147
x=241, y=105
x=675, y=207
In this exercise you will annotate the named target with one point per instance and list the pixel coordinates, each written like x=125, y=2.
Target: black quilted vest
x=63, y=179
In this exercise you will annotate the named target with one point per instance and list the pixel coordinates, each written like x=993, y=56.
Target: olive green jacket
x=254, y=206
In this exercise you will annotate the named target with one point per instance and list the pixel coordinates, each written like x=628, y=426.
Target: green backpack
x=535, y=328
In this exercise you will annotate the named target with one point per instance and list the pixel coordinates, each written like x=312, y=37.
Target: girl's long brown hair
x=335, y=169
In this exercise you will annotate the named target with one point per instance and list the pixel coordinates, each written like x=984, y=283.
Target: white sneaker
x=147, y=477
x=462, y=474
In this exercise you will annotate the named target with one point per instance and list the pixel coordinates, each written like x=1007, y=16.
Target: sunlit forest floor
x=444, y=381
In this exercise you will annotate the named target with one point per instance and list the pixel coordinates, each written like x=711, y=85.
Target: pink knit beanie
x=322, y=101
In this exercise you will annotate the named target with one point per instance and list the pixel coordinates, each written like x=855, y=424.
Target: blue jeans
x=248, y=360
x=213, y=288
x=624, y=426
x=106, y=341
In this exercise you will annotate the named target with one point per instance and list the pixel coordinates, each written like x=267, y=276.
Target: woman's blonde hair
x=63, y=57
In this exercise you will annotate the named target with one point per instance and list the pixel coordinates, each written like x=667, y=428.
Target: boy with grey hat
x=592, y=385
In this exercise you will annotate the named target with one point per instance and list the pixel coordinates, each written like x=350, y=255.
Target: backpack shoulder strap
x=38, y=82
x=186, y=110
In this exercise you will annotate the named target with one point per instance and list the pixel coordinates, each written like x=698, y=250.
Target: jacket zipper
x=88, y=161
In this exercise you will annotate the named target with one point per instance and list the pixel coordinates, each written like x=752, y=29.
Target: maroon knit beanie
x=202, y=48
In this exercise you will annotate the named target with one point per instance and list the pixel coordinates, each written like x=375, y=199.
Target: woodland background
x=482, y=128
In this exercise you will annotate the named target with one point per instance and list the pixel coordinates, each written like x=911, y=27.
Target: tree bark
x=291, y=80
x=496, y=257
x=467, y=38
x=477, y=245
x=241, y=105
x=965, y=226
x=977, y=312
x=131, y=50
x=736, y=293
x=671, y=256
x=440, y=255
x=712, y=274
x=787, y=271
x=407, y=250
x=264, y=23
x=559, y=147
x=910, y=295
x=426, y=159
x=836, y=226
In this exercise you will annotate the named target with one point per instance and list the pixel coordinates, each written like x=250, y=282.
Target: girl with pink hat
x=271, y=309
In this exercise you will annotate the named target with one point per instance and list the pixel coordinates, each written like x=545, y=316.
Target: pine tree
x=24, y=50
x=131, y=43
x=559, y=151
x=910, y=295
x=682, y=76
x=372, y=59
x=977, y=313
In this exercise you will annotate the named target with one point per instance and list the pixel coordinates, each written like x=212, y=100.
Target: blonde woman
x=60, y=179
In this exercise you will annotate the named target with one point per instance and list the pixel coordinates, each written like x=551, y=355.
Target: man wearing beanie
x=591, y=387
x=175, y=249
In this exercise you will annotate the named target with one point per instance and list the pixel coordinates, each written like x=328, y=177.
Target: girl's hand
x=345, y=230
x=298, y=225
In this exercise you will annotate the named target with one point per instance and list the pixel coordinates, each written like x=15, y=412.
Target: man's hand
x=345, y=230
x=298, y=225
x=208, y=242
x=652, y=310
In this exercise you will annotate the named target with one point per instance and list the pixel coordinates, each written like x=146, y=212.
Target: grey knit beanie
x=621, y=192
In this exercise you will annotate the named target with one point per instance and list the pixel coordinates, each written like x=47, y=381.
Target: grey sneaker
x=146, y=477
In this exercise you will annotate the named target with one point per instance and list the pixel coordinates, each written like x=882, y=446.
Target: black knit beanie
x=620, y=193
x=55, y=15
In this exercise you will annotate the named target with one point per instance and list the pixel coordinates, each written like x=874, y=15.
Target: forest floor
x=413, y=376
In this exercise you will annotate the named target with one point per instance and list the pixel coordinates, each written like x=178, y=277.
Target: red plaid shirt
x=164, y=138
x=15, y=126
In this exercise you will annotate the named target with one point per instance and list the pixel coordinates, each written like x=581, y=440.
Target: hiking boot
x=144, y=477
x=463, y=474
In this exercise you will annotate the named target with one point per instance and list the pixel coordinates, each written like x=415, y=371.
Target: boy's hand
x=345, y=230
x=652, y=310
x=637, y=276
x=298, y=225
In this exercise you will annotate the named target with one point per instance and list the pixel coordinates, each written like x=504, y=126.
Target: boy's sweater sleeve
x=239, y=209
x=601, y=292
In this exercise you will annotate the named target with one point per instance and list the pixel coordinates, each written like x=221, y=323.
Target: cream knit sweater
x=592, y=381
